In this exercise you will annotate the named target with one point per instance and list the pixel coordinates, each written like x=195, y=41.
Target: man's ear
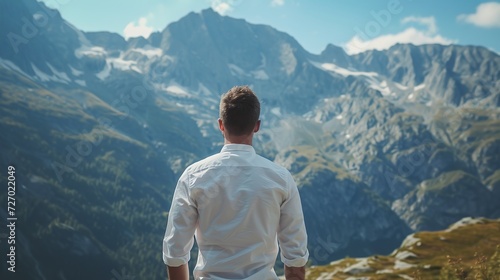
x=221, y=125
x=257, y=126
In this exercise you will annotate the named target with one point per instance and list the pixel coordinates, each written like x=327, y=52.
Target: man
x=238, y=204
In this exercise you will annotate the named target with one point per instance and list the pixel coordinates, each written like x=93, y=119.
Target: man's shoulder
x=218, y=158
x=203, y=163
x=274, y=166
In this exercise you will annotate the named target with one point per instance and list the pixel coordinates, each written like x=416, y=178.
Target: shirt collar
x=237, y=147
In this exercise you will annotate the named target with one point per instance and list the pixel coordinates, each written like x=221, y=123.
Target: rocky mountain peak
x=335, y=54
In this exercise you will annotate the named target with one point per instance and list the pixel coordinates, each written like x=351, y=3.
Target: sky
x=355, y=25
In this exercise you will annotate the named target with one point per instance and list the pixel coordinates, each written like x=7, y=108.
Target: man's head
x=239, y=112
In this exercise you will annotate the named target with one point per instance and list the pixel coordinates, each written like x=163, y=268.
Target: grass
x=493, y=180
x=471, y=248
x=468, y=128
x=444, y=180
x=315, y=161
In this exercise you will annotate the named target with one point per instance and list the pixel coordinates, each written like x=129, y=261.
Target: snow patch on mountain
x=330, y=67
x=81, y=82
x=122, y=64
x=382, y=87
x=104, y=72
x=117, y=63
x=60, y=75
x=37, y=16
x=398, y=265
x=276, y=111
x=400, y=86
x=318, y=118
x=260, y=75
x=44, y=77
x=75, y=72
x=419, y=87
x=149, y=51
x=361, y=266
x=90, y=51
x=410, y=240
x=235, y=70
x=175, y=89
x=465, y=221
x=5, y=63
x=384, y=271
x=372, y=78
x=402, y=255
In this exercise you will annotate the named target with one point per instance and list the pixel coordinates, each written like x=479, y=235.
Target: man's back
x=242, y=202
x=238, y=204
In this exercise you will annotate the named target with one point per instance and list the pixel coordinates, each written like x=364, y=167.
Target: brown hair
x=239, y=110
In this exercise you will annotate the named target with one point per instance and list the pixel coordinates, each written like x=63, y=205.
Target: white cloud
x=275, y=3
x=222, y=7
x=410, y=35
x=486, y=15
x=430, y=22
x=140, y=28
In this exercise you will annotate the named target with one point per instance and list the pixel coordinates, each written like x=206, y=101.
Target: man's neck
x=244, y=139
x=237, y=141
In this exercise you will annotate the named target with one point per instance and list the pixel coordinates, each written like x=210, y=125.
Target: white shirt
x=238, y=205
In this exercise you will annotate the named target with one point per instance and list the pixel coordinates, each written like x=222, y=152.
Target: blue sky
x=353, y=24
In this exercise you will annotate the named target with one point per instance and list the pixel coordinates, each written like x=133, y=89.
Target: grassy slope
x=465, y=247
x=110, y=205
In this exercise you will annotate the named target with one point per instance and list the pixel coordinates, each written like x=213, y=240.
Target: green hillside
x=91, y=190
x=469, y=249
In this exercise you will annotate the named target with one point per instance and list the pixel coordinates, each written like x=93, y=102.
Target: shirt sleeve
x=292, y=234
x=181, y=224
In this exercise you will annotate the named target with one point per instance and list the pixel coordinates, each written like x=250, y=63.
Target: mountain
x=468, y=249
x=467, y=74
x=363, y=222
x=93, y=179
x=381, y=144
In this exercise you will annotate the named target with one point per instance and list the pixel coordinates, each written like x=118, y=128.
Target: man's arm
x=179, y=235
x=295, y=273
x=292, y=235
x=178, y=272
